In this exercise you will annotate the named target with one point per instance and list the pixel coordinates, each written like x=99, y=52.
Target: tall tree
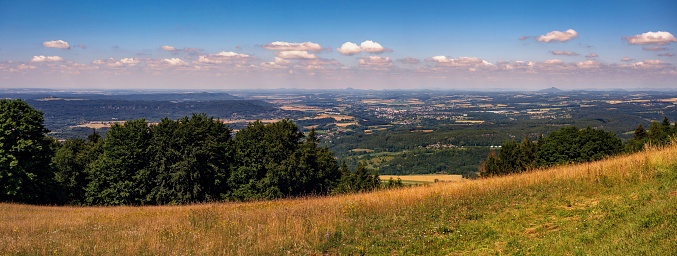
x=70, y=161
x=25, y=154
x=120, y=176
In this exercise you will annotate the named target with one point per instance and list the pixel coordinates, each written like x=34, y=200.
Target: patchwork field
x=619, y=206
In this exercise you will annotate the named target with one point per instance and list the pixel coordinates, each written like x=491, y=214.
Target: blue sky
x=480, y=45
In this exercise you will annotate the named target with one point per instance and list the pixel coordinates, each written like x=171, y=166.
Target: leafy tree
x=191, y=160
x=70, y=161
x=273, y=161
x=570, y=144
x=25, y=154
x=120, y=175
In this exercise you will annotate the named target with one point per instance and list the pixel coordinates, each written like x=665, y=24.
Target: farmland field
x=426, y=178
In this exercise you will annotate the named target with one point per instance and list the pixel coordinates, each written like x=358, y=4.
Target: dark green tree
x=70, y=161
x=120, y=175
x=25, y=155
x=192, y=158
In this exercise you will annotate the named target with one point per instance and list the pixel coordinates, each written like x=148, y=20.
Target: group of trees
x=572, y=145
x=172, y=162
x=567, y=145
x=658, y=134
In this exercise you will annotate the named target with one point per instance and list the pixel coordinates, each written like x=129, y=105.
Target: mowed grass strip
x=623, y=205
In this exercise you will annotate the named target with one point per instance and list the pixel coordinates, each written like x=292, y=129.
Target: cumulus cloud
x=649, y=64
x=655, y=48
x=558, y=36
x=286, y=46
x=372, y=47
x=588, y=64
x=375, y=61
x=409, y=60
x=277, y=64
x=660, y=37
x=168, y=48
x=627, y=59
x=349, y=48
x=567, y=53
x=295, y=55
x=461, y=62
x=129, y=61
x=592, y=55
x=61, y=44
x=222, y=57
x=43, y=58
x=175, y=62
x=554, y=62
x=25, y=67
x=113, y=63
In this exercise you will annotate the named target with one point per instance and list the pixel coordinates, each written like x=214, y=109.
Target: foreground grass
x=625, y=205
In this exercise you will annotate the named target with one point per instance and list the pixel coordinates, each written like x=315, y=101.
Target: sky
x=477, y=45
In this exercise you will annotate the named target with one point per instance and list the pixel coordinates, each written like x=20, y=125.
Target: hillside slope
x=623, y=205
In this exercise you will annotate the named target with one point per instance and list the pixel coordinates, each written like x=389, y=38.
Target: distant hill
x=552, y=90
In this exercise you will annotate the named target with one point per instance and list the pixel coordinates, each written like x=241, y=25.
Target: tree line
x=571, y=145
x=193, y=159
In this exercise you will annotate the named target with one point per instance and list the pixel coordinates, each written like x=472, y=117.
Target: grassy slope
x=624, y=205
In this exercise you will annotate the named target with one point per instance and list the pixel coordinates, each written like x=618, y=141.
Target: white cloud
x=129, y=61
x=649, y=64
x=461, y=62
x=667, y=54
x=295, y=55
x=110, y=62
x=372, y=47
x=222, y=57
x=588, y=64
x=554, y=62
x=43, y=58
x=175, y=62
x=286, y=46
x=376, y=61
x=660, y=37
x=349, y=48
x=113, y=63
x=627, y=59
x=25, y=67
x=61, y=44
x=168, y=48
x=558, y=36
x=567, y=53
x=277, y=64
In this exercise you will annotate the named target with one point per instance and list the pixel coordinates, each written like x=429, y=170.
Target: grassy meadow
x=622, y=205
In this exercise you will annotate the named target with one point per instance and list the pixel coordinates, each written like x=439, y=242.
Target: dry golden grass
x=295, y=226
